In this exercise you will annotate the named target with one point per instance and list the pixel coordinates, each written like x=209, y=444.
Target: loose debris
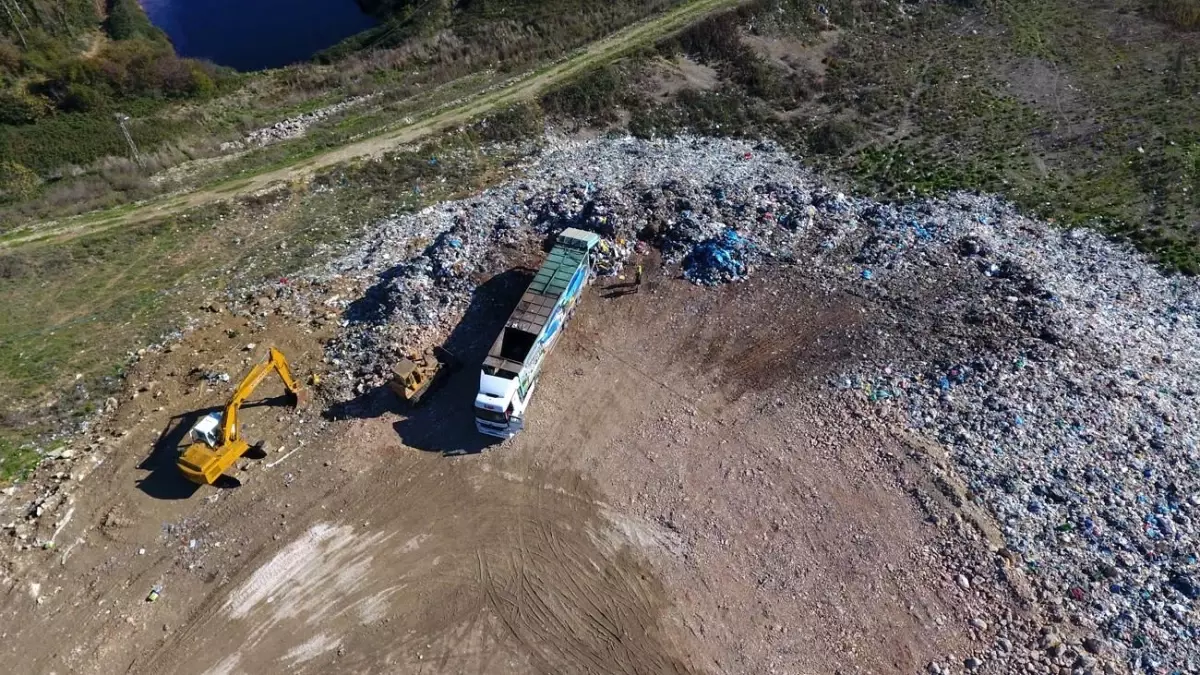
x=292, y=127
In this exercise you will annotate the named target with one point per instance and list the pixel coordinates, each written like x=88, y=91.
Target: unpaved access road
x=522, y=88
x=689, y=497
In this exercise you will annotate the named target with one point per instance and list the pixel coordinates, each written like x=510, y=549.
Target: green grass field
x=1087, y=113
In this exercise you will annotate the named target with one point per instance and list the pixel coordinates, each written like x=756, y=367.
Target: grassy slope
x=405, y=61
x=295, y=161
x=1086, y=112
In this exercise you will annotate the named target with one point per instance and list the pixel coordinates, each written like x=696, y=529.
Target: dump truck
x=513, y=364
x=415, y=377
x=217, y=440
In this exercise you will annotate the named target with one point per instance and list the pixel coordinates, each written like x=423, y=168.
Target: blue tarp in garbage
x=717, y=260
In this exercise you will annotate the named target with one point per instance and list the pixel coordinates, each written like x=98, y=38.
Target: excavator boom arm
x=276, y=362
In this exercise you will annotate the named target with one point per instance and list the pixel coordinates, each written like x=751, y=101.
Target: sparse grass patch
x=17, y=458
x=1040, y=101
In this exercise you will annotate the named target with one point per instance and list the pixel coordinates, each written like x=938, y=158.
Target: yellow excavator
x=217, y=440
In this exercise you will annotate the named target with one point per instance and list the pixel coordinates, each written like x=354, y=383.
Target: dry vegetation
x=1182, y=14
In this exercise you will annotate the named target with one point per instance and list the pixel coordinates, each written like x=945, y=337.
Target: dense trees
x=123, y=70
x=64, y=71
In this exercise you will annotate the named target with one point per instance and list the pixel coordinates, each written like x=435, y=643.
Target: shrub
x=127, y=21
x=10, y=58
x=717, y=41
x=124, y=70
x=203, y=85
x=834, y=137
x=17, y=183
x=80, y=138
x=18, y=109
x=82, y=98
x=1182, y=14
x=13, y=266
x=515, y=123
x=594, y=96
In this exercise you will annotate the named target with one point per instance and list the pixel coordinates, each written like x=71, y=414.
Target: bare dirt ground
x=689, y=497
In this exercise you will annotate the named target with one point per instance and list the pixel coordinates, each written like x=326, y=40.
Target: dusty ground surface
x=688, y=497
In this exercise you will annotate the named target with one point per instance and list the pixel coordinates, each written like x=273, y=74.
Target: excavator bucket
x=303, y=398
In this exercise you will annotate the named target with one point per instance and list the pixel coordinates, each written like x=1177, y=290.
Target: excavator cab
x=207, y=430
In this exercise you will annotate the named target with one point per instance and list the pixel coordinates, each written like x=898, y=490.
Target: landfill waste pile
x=1058, y=368
x=1079, y=432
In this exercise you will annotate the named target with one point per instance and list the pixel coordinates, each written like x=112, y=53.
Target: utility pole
x=122, y=118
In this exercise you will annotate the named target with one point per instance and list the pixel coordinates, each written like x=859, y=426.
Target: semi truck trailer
x=513, y=364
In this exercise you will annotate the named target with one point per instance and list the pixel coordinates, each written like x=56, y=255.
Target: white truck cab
x=498, y=409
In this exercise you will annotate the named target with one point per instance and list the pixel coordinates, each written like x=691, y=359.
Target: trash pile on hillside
x=1059, y=369
x=1074, y=416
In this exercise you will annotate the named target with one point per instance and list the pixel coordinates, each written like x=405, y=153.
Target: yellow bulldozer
x=217, y=439
x=415, y=376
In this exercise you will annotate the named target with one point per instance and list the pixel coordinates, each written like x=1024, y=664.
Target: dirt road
x=689, y=497
x=522, y=88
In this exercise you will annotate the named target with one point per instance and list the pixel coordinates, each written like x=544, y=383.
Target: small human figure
x=637, y=278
